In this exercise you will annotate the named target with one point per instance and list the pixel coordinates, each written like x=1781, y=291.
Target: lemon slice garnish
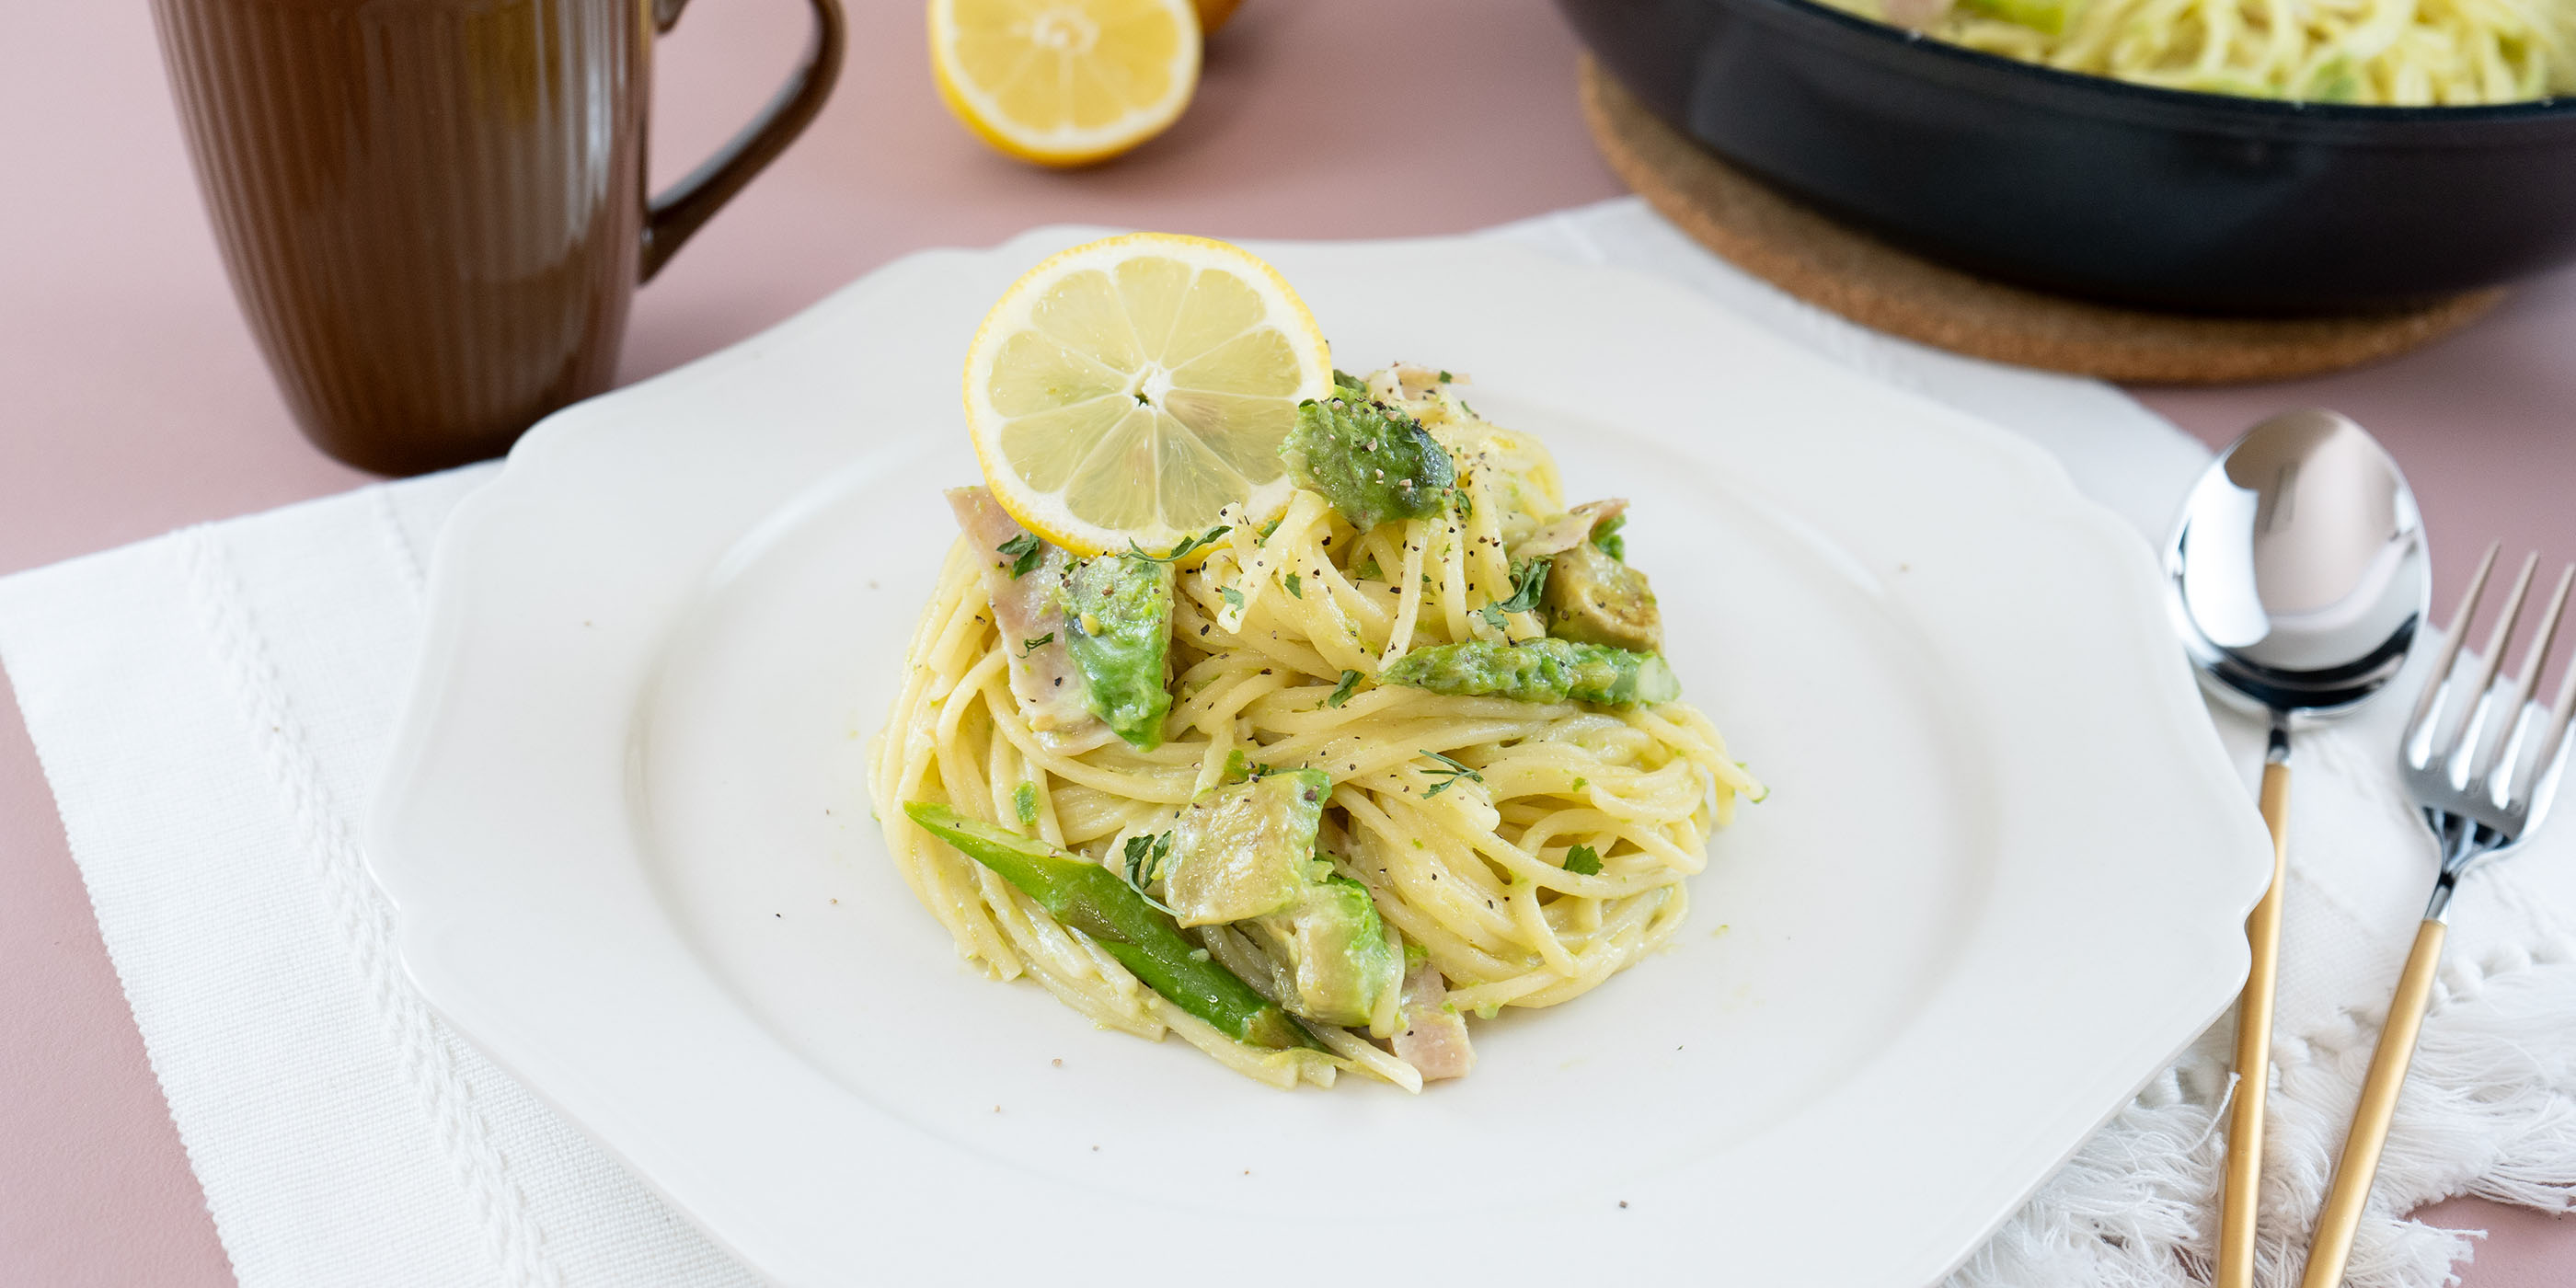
x=1131, y=389
x=1065, y=82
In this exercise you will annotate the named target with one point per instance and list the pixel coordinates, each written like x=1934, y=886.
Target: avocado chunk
x=1370, y=461
x=1245, y=851
x=1118, y=627
x=1592, y=598
x=1539, y=670
x=1336, y=952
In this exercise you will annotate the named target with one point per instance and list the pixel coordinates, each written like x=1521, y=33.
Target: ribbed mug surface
x=431, y=209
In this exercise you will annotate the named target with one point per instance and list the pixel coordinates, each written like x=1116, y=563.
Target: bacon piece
x=1570, y=529
x=1434, y=1036
x=1050, y=689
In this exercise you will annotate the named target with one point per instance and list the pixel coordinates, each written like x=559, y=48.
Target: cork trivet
x=1873, y=283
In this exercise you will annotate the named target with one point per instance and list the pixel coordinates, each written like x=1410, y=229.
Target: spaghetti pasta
x=1524, y=851
x=2405, y=53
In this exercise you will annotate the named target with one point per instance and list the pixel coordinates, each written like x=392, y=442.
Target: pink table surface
x=132, y=401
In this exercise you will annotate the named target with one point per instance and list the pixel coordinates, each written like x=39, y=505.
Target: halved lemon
x=1130, y=389
x=1213, y=13
x=1065, y=82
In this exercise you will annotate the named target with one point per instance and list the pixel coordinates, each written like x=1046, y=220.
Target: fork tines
x=2470, y=732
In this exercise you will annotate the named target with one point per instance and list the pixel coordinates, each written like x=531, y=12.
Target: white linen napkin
x=212, y=706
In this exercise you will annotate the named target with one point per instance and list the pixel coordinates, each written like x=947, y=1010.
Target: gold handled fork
x=2482, y=782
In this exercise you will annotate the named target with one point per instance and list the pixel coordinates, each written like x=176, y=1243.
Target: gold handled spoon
x=2298, y=579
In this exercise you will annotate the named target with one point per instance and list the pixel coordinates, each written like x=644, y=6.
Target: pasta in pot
x=2402, y=53
x=1518, y=851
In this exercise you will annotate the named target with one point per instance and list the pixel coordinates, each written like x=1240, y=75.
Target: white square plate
x=2000, y=881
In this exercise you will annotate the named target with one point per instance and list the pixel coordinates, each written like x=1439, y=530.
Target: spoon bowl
x=2299, y=575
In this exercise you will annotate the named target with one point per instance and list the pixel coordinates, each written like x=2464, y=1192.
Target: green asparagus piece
x=1606, y=538
x=1093, y=900
x=1118, y=614
x=1539, y=670
x=1371, y=461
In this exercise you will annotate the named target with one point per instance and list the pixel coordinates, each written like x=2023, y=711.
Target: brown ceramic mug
x=434, y=211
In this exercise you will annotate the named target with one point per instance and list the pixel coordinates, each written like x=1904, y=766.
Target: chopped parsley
x=1368, y=570
x=1025, y=551
x=1187, y=544
x=1024, y=799
x=1449, y=773
x=1296, y=589
x=1233, y=598
x=1144, y=861
x=1268, y=528
x=1342, y=691
x=1529, y=578
x=1584, y=861
x=1240, y=768
x=1031, y=646
x=1345, y=380
x=1444, y=377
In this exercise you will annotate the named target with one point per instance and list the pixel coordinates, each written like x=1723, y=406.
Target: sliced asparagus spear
x=1539, y=670
x=1093, y=900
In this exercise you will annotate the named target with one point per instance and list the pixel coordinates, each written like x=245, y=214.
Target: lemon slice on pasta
x=1132, y=389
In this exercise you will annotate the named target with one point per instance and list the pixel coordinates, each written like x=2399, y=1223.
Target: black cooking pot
x=2097, y=187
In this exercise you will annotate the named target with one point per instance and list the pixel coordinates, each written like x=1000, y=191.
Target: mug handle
x=680, y=209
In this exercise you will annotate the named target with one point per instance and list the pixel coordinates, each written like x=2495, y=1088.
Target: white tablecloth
x=211, y=708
